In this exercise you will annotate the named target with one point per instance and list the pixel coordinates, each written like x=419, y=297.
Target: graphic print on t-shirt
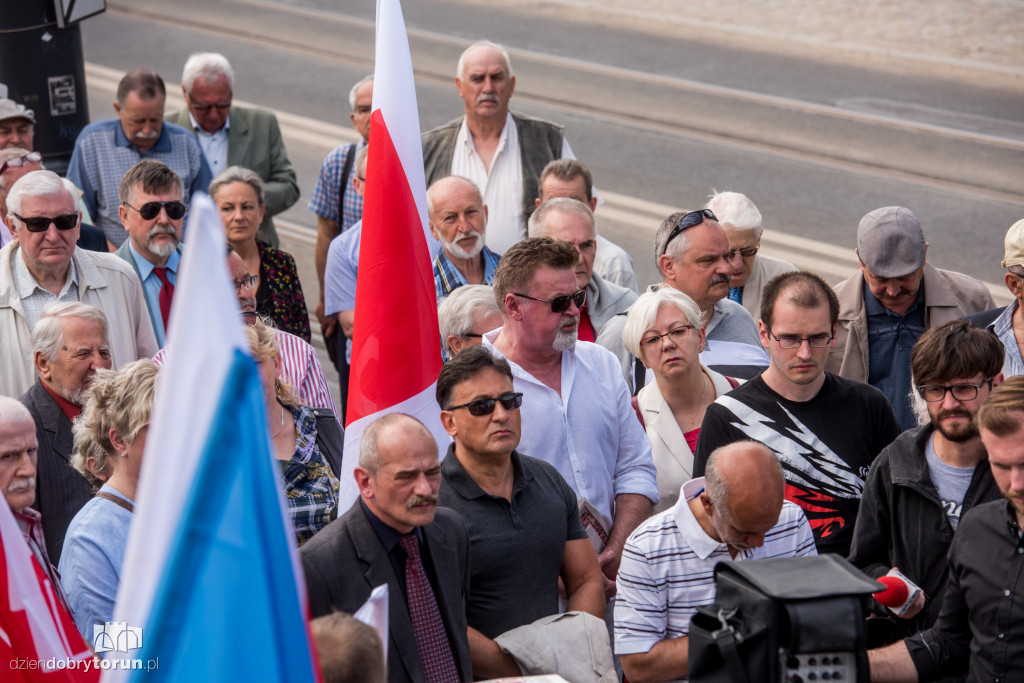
x=817, y=479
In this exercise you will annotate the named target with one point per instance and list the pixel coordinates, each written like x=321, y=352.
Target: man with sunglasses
x=692, y=253
x=889, y=304
x=825, y=430
x=751, y=270
x=152, y=212
x=920, y=486
x=523, y=523
x=576, y=413
x=45, y=265
x=232, y=135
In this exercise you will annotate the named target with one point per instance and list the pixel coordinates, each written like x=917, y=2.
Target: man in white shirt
x=576, y=412
x=503, y=153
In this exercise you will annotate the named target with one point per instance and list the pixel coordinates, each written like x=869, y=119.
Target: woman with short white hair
x=663, y=330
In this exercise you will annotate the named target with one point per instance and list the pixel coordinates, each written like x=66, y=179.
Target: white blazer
x=672, y=456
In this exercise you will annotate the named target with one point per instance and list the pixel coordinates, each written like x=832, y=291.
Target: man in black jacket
x=918, y=487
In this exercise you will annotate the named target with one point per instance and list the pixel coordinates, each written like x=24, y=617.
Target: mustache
x=719, y=279
x=956, y=412
x=22, y=485
x=151, y=135
x=886, y=295
x=488, y=97
x=421, y=500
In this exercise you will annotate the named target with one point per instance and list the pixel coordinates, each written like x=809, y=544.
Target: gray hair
x=48, y=335
x=237, y=174
x=355, y=89
x=678, y=247
x=35, y=184
x=1017, y=270
x=457, y=312
x=442, y=183
x=735, y=211
x=206, y=66
x=717, y=487
x=369, y=456
x=13, y=412
x=644, y=310
x=537, y=225
x=484, y=43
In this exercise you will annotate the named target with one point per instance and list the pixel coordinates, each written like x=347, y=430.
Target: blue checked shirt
x=1013, y=365
x=103, y=154
x=324, y=202
x=448, y=278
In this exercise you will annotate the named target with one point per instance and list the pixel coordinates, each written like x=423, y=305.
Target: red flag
x=38, y=640
x=396, y=352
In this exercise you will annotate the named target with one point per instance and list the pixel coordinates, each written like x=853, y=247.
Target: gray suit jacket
x=254, y=141
x=345, y=561
x=60, y=490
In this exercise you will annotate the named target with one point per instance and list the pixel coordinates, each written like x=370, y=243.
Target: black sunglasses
x=560, y=303
x=485, y=406
x=151, y=210
x=688, y=221
x=42, y=223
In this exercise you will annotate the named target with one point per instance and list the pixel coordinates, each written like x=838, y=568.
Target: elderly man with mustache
x=888, y=305
x=152, y=212
x=106, y=150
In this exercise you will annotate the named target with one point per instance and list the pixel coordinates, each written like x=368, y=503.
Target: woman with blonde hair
x=110, y=437
x=663, y=329
x=307, y=442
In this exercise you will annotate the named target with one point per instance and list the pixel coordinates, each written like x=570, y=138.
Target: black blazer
x=60, y=490
x=345, y=561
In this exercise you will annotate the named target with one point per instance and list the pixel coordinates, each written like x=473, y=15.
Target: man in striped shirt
x=736, y=512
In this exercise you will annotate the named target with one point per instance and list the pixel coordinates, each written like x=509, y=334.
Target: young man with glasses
x=825, y=430
x=922, y=483
x=522, y=517
x=152, y=212
x=576, y=413
x=45, y=266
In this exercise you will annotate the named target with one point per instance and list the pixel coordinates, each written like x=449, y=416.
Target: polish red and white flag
x=396, y=348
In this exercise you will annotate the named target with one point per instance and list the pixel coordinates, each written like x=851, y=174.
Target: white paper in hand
x=374, y=612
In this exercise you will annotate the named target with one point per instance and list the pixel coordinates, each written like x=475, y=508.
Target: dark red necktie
x=166, y=294
x=431, y=639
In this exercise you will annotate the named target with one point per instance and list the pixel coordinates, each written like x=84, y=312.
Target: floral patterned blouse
x=279, y=296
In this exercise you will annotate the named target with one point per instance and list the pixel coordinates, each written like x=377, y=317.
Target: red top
x=691, y=439
x=70, y=410
x=585, y=332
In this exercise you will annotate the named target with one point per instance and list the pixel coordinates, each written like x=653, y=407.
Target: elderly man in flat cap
x=894, y=298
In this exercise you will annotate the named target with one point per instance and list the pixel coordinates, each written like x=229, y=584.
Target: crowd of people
x=609, y=444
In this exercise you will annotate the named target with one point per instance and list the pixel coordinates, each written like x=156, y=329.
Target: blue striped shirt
x=1013, y=364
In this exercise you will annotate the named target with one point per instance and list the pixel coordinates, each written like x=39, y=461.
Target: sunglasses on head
x=42, y=223
x=485, y=406
x=688, y=221
x=151, y=210
x=16, y=162
x=560, y=303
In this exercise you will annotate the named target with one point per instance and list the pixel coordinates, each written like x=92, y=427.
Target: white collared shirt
x=215, y=145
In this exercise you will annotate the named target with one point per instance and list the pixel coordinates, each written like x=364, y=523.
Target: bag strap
x=350, y=157
x=117, y=501
x=726, y=638
x=639, y=375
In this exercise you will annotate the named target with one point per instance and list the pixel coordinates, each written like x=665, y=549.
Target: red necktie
x=166, y=294
x=586, y=331
x=431, y=639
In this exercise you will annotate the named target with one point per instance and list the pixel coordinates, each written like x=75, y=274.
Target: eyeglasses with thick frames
x=151, y=210
x=17, y=162
x=42, y=223
x=485, y=406
x=745, y=252
x=688, y=221
x=933, y=393
x=791, y=341
x=677, y=335
x=560, y=303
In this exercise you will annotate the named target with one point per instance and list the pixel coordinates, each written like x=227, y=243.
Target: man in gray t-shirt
x=523, y=523
x=920, y=485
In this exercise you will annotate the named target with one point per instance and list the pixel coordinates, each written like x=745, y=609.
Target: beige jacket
x=672, y=455
x=763, y=270
x=104, y=281
x=947, y=296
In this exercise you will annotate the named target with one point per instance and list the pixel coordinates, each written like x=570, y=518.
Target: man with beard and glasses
x=69, y=344
x=106, y=150
x=923, y=482
x=458, y=219
x=151, y=212
x=576, y=413
x=889, y=304
x=824, y=429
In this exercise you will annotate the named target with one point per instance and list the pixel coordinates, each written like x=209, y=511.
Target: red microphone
x=899, y=593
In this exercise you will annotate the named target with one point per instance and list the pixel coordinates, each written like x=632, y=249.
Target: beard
x=162, y=249
x=457, y=251
x=958, y=434
x=565, y=340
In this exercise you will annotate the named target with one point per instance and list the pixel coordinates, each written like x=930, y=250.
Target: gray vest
x=540, y=142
